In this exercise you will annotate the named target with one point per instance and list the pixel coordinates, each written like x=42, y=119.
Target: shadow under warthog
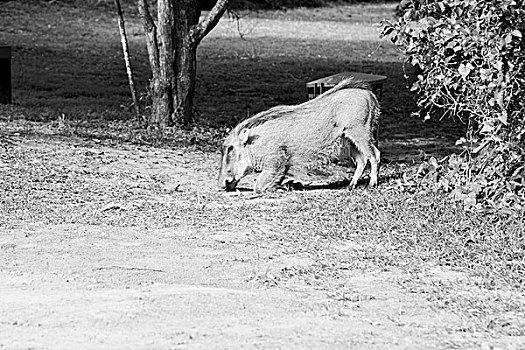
x=298, y=186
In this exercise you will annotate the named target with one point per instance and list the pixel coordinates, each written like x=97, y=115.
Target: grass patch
x=342, y=232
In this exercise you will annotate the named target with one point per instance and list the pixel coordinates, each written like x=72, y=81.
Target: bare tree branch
x=203, y=28
x=151, y=35
x=125, y=50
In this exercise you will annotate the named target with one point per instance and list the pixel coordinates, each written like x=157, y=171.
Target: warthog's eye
x=225, y=150
x=229, y=153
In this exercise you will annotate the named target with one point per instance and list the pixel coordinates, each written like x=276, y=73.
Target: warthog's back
x=314, y=130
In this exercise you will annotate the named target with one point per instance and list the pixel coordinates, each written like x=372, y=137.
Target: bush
x=471, y=59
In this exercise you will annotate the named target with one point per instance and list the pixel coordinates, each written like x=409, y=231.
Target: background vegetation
x=472, y=60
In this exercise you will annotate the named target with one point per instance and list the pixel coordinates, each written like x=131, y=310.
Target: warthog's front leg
x=271, y=178
x=268, y=180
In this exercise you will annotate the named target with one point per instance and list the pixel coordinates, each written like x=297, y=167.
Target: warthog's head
x=236, y=162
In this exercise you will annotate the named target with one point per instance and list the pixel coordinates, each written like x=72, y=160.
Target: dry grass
x=410, y=235
x=70, y=87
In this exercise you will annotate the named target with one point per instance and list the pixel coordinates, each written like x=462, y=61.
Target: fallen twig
x=126, y=268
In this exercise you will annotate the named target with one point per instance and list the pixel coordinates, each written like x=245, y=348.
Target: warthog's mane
x=281, y=111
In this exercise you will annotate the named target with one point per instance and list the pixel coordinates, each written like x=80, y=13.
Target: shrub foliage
x=470, y=56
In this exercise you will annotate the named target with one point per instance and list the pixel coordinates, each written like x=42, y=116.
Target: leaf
x=424, y=24
x=503, y=117
x=433, y=162
x=475, y=189
x=461, y=141
x=457, y=194
x=485, y=73
x=487, y=127
x=463, y=70
x=499, y=99
x=387, y=30
x=516, y=33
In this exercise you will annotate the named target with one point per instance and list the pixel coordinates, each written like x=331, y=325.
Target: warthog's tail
x=281, y=111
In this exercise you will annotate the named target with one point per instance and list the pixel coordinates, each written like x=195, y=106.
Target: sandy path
x=111, y=288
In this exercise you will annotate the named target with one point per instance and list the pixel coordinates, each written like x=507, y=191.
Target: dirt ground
x=107, y=242
x=194, y=285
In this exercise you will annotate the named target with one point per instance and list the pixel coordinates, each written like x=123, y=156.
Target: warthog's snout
x=230, y=183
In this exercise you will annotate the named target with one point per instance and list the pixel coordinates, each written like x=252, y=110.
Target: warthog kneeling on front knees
x=290, y=141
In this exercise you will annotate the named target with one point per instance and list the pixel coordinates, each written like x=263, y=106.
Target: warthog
x=291, y=141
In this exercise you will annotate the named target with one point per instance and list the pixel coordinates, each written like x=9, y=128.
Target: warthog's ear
x=247, y=137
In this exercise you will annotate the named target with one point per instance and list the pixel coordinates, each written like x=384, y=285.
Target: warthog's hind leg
x=363, y=153
x=374, y=165
x=360, y=162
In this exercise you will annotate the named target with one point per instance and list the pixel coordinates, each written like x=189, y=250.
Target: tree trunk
x=186, y=77
x=172, y=48
x=187, y=16
x=163, y=86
